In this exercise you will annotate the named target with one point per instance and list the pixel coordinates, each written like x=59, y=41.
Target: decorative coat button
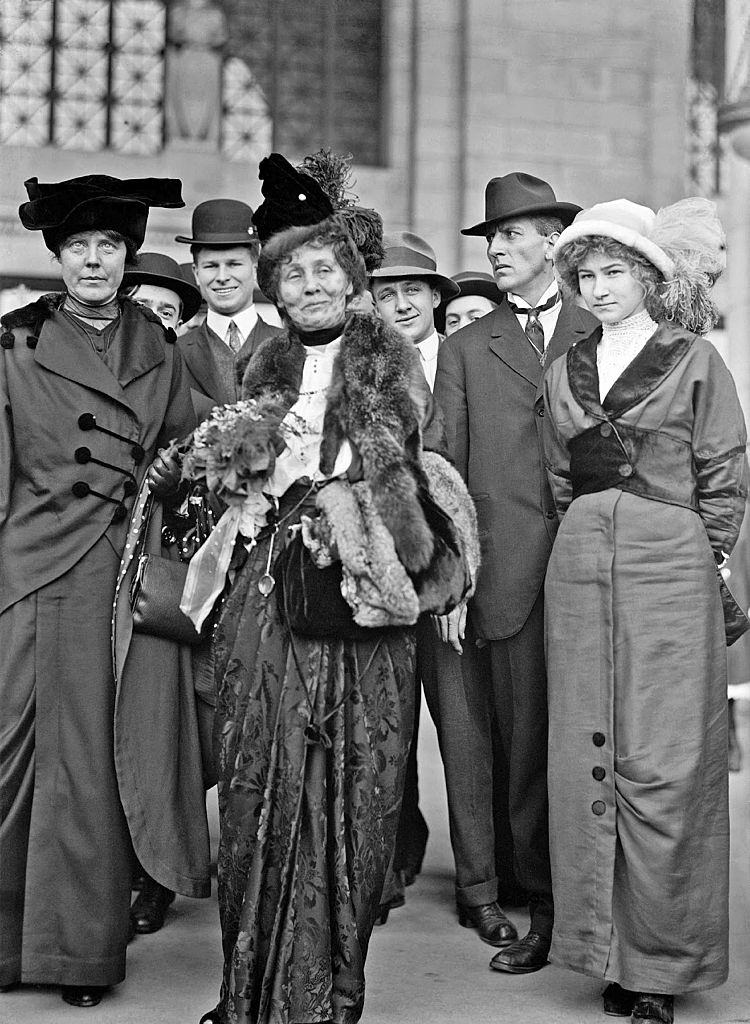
x=598, y=773
x=551, y=514
x=540, y=411
x=625, y=469
x=605, y=429
x=80, y=489
x=7, y=339
x=598, y=807
x=31, y=341
x=598, y=739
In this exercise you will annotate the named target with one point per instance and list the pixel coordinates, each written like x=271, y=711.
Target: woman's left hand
x=451, y=628
x=164, y=474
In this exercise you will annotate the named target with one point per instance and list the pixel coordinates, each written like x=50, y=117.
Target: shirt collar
x=428, y=347
x=547, y=294
x=246, y=319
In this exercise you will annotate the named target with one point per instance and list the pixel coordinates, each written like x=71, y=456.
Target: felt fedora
x=470, y=282
x=157, y=269
x=408, y=255
x=519, y=195
x=221, y=222
x=96, y=202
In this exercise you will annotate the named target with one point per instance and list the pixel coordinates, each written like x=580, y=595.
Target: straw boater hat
x=96, y=201
x=470, y=282
x=519, y=195
x=408, y=255
x=221, y=223
x=157, y=269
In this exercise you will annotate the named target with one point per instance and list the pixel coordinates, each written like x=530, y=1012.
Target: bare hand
x=451, y=628
x=164, y=475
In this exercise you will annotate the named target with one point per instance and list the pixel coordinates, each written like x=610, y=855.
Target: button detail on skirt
x=598, y=739
x=598, y=807
x=625, y=469
x=605, y=429
x=598, y=773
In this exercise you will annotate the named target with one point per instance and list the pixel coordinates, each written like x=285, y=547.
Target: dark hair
x=253, y=246
x=547, y=224
x=570, y=257
x=131, y=249
x=279, y=248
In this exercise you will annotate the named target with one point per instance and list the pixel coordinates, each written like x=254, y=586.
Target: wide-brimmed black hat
x=519, y=195
x=470, y=282
x=408, y=255
x=96, y=201
x=164, y=272
x=221, y=222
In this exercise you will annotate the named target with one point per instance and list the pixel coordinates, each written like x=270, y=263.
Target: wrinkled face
x=465, y=310
x=407, y=305
x=313, y=289
x=226, y=278
x=609, y=288
x=162, y=301
x=521, y=258
x=92, y=266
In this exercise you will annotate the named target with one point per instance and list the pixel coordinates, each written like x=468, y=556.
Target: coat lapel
x=139, y=345
x=583, y=376
x=197, y=355
x=61, y=349
x=666, y=347
x=510, y=344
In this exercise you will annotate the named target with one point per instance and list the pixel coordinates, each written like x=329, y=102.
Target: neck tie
x=234, y=337
x=533, y=329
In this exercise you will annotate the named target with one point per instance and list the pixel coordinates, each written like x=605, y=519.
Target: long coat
x=637, y=661
x=67, y=485
x=489, y=389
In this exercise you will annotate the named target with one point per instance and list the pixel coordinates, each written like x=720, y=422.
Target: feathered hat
x=96, y=201
x=684, y=241
x=311, y=193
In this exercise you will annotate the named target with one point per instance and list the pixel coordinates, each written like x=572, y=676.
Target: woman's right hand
x=451, y=628
x=164, y=475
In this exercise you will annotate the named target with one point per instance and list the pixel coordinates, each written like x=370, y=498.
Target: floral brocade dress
x=308, y=820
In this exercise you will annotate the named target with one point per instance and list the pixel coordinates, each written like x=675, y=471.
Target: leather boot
x=491, y=922
x=150, y=906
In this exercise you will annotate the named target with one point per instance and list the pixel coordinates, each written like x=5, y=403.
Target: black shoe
x=651, y=1008
x=83, y=995
x=618, y=1001
x=489, y=920
x=524, y=956
x=150, y=907
x=385, y=908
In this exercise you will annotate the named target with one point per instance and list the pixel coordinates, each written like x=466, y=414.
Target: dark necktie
x=234, y=337
x=533, y=329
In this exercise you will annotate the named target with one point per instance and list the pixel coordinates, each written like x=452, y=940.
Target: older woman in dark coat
x=90, y=385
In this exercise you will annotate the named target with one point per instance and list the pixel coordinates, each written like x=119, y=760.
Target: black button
x=598, y=773
x=80, y=489
x=625, y=469
x=31, y=341
x=82, y=455
x=551, y=514
x=598, y=739
x=138, y=453
x=598, y=807
x=87, y=421
x=605, y=429
x=540, y=411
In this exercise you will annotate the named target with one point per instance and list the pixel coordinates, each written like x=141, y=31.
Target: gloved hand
x=164, y=474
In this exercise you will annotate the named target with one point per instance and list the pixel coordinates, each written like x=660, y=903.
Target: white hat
x=626, y=222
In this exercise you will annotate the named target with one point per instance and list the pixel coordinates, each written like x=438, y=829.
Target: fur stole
x=375, y=401
x=33, y=316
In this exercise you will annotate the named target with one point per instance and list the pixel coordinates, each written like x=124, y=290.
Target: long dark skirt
x=64, y=843
x=307, y=829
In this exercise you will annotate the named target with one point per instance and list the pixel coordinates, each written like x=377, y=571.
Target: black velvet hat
x=96, y=202
x=164, y=272
x=291, y=198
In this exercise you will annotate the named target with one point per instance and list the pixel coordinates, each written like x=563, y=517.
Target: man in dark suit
x=489, y=387
x=224, y=246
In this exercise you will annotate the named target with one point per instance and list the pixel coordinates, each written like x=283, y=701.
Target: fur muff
x=370, y=403
x=450, y=492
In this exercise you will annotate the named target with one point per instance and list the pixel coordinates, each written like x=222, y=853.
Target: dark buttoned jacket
x=77, y=435
x=489, y=390
x=203, y=374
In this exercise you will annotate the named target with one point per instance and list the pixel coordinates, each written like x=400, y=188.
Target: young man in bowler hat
x=489, y=387
x=224, y=246
x=409, y=293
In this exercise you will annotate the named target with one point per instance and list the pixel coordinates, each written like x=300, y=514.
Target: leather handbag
x=736, y=623
x=156, y=589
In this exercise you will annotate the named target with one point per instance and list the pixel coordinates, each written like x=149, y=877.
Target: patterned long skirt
x=307, y=824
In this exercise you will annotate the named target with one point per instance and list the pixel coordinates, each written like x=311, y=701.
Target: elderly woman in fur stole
x=313, y=734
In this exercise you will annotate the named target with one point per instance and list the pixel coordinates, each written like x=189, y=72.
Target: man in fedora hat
x=224, y=246
x=489, y=387
x=158, y=283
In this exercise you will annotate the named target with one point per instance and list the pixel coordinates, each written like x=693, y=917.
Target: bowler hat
x=95, y=201
x=164, y=272
x=470, y=282
x=519, y=195
x=408, y=255
x=221, y=222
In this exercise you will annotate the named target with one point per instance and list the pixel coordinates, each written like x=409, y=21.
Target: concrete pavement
x=423, y=968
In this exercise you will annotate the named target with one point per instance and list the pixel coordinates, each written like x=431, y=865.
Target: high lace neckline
x=635, y=328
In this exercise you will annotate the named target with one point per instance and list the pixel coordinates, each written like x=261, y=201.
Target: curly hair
x=571, y=256
x=278, y=250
